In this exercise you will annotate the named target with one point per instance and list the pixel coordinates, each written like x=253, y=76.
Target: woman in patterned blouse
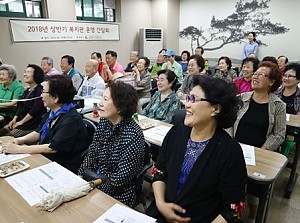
x=200, y=174
x=164, y=102
x=117, y=150
x=225, y=72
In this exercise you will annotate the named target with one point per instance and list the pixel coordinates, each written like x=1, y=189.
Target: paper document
x=141, y=117
x=158, y=132
x=33, y=184
x=11, y=157
x=287, y=117
x=249, y=154
x=122, y=214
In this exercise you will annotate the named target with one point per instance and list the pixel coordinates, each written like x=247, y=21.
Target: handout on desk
x=33, y=184
x=249, y=154
x=122, y=214
x=158, y=132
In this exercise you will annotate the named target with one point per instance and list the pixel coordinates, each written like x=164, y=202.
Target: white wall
x=199, y=14
x=135, y=14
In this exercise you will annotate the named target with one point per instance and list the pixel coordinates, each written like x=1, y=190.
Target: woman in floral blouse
x=117, y=150
x=225, y=72
x=164, y=102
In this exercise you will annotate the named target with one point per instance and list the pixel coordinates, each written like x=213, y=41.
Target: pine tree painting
x=248, y=16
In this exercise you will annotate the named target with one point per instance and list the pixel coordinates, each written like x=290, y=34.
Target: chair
x=142, y=175
x=91, y=128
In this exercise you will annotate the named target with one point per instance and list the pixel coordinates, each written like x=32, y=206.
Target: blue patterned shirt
x=194, y=150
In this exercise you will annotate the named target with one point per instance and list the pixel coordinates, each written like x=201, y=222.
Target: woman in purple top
x=30, y=108
x=249, y=66
x=200, y=174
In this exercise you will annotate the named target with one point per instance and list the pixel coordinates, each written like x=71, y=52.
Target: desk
x=293, y=128
x=142, y=120
x=268, y=164
x=86, y=209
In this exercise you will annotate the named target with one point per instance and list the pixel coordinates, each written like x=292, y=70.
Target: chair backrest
x=91, y=128
x=178, y=117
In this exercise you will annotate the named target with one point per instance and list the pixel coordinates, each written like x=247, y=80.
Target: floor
x=281, y=209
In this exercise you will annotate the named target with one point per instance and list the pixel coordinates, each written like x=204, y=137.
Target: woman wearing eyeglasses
x=61, y=135
x=261, y=121
x=200, y=174
x=289, y=92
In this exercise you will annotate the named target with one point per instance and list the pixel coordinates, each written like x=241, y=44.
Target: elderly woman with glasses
x=200, y=174
x=289, y=92
x=261, y=121
x=61, y=135
x=10, y=90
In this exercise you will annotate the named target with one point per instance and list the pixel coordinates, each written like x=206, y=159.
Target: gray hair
x=11, y=69
x=49, y=60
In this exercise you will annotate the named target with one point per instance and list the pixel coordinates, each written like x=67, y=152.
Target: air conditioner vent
x=153, y=34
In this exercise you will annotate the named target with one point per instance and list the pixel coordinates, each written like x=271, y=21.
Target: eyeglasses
x=289, y=76
x=192, y=98
x=260, y=75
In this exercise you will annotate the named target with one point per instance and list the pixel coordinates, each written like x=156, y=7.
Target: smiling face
x=250, y=37
x=281, y=63
x=289, y=79
x=223, y=66
x=65, y=66
x=141, y=65
x=261, y=81
x=163, y=84
x=247, y=70
x=133, y=58
x=200, y=113
x=193, y=67
x=184, y=57
x=107, y=108
x=5, y=78
x=28, y=75
x=110, y=60
x=45, y=66
x=91, y=68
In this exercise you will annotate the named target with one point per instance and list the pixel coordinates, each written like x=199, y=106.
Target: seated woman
x=195, y=67
x=261, y=121
x=200, y=172
x=289, y=92
x=10, y=89
x=117, y=150
x=185, y=56
x=225, y=71
x=243, y=83
x=143, y=79
x=164, y=102
x=62, y=135
x=133, y=58
x=29, y=112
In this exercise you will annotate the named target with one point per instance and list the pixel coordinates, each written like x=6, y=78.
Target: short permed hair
x=227, y=61
x=199, y=60
x=124, y=97
x=61, y=86
x=11, y=69
x=273, y=75
x=220, y=92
